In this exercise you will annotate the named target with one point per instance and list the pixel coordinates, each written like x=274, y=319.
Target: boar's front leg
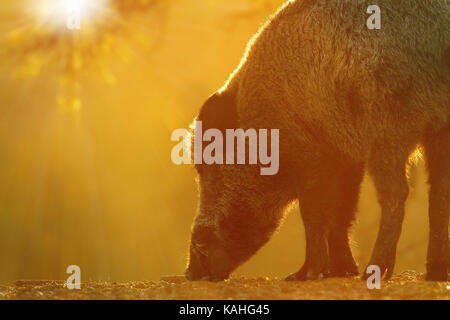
x=387, y=167
x=342, y=263
x=317, y=195
x=328, y=203
x=437, y=152
x=316, y=264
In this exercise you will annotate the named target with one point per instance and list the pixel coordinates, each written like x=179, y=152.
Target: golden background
x=86, y=176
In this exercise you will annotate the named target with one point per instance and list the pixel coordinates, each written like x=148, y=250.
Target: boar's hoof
x=192, y=277
x=385, y=260
x=344, y=271
x=437, y=272
x=298, y=276
x=308, y=274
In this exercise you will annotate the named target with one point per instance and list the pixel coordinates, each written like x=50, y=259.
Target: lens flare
x=57, y=13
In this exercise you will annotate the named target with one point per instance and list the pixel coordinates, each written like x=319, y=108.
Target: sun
x=57, y=14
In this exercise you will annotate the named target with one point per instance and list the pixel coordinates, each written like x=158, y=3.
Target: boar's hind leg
x=437, y=151
x=388, y=170
x=342, y=263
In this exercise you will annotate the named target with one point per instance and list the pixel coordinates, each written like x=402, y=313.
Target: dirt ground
x=408, y=285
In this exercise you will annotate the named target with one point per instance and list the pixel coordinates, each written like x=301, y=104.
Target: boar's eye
x=202, y=236
x=200, y=248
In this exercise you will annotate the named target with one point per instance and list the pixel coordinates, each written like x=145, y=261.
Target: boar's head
x=235, y=218
x=238, y=210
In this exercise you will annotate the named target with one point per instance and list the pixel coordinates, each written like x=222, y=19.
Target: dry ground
x=408, y=285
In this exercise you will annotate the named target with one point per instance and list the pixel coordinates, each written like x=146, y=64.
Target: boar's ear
x=219, y=111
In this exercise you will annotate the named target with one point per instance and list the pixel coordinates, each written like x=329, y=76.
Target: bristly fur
x=345, y=99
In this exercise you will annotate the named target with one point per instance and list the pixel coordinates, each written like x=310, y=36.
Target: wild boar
x=345, y=99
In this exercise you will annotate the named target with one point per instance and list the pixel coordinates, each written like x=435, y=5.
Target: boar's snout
x=202, y=268
x=208, y=259
x=197, y=269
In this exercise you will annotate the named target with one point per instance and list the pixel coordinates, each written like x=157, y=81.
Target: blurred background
x=86, y=117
